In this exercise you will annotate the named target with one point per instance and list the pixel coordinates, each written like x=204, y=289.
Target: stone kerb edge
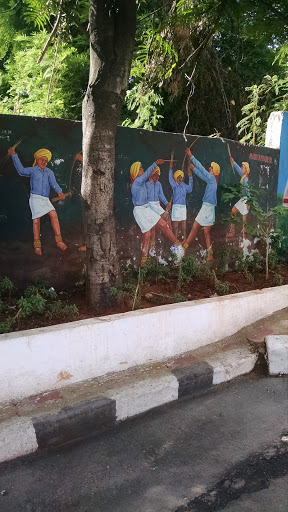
x=22, y=436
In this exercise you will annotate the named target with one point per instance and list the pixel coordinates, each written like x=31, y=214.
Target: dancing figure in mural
x=145, y=216
x=206, y=215
x=41, y=179
x=155, y=195
x=241, y=205
x=180, y=190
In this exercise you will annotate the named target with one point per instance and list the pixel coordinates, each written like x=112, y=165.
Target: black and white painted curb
x=24, y=435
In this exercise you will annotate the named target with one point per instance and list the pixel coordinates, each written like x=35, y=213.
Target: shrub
x=222, y=266
x=278, y=280
x=6, y=286
x=6, y=325
x=221, y=287
x=188, y=268
x=249, y=276
x=28, y=306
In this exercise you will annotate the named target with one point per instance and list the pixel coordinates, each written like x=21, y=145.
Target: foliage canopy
x=209, y=66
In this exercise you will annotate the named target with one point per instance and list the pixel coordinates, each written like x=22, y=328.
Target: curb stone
x=277, y=352
x=20, y=436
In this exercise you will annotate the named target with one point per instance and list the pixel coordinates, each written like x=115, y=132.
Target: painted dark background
x=64, y=139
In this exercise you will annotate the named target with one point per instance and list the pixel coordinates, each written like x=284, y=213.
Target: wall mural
x=167, y=196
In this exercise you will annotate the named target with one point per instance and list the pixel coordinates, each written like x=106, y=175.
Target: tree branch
x=48, y=42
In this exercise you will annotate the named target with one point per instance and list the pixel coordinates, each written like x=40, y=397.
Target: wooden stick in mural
x=228, y=147
x=18, y=142
x=68, y=194
x=191, y=145
x=171, y=160
x=6, y=157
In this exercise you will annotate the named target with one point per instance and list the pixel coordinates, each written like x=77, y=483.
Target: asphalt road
x=225, y=450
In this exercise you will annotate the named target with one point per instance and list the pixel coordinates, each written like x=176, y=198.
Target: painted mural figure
x=180, y=190
x=155, y=195
x=41, y=179
x=206, y=215
x=241, y=205
x=144, y=215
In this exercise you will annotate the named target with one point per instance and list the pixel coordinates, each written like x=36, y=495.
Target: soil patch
x=157, y=291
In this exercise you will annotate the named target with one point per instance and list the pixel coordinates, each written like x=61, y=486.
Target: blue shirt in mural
x=211, y=187
x=180, y=189
x=139, y=190
x=245, y=189
x=155, y=192
x=40, y=182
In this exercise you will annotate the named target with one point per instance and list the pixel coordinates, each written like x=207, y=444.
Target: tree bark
x=112, y=37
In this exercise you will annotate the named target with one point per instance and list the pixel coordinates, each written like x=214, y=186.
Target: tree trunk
x=112, y=37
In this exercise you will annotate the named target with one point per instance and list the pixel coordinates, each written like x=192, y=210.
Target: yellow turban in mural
x=178, y=173
x=216, y=168
x=247, y=167
x=157, y=169
x=40, y=153
x=134, y=169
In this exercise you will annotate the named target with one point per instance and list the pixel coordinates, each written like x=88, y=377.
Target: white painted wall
x=41, y=359
x=273, y=130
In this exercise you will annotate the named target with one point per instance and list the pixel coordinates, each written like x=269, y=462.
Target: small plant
x=206, y=272
x=6, y=286
x=7, y=325
x=249, y=276
x=154, y=271
x=177, y=297
x=28, y=306
x=242, y=263
x=223, y=261
x=36, y=300
x=70, y=311
x=278, y=280
x=257, y=259
x=116, y=292
x=221, y=287
x=188, y=268
x=273, y=260
x=60, y=310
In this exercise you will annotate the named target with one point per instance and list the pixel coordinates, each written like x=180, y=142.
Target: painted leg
x=56, y=228
x=169, y=222
x=207, y=231
x=145, y=248
x=231, y=232
x=161, y=224
x=191, y=235
x=175, y=228
x=183, y=229
x=176, y=249
x=36, y=234
x=152, y=250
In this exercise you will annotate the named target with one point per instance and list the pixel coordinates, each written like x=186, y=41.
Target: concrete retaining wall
x=48, y=358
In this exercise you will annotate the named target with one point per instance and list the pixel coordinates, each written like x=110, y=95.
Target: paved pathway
x=223, y=450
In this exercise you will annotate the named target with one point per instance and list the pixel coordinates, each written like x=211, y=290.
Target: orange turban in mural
x=247, y=171
x=134, y=169
x=178, y=173
x=216, y=168
x=40, y=153
x=157, y=169
x=247, y=167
